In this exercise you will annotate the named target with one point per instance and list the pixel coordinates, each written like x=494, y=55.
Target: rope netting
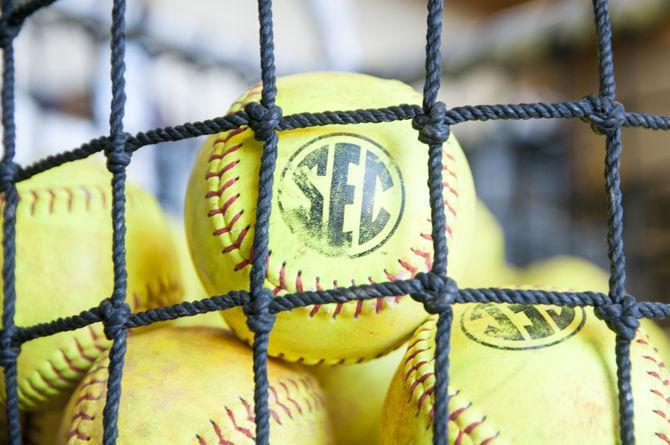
x=434, y=289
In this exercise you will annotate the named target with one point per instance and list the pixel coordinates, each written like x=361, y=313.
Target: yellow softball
x=523, y=374
x=193, y=289
x=579, y=274
x=350, y=206
x=486, y=265
x=355, y=395
x=64, y=266
x=195, y=386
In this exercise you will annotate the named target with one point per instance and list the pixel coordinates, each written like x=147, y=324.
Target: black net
x=434, y=289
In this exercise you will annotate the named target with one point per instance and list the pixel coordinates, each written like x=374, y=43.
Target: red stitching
x=656, y=375
x=229, y=135
x=87, y=198
x=82, y=415
x=226, y=206
x=219, y=192
x=450, y=172
x=414, y=368
x=451, y=188
x=466, y=431
x=298, y=281
x=316, y=307
x=52, y=198
x=457, y=412
x=59, y=380
x=33, y=205
x=219, y=156
x=238, y=242
x=87, y=397
x=423, y=397
x=92, y=382
x=282, y=400
x=288, y=397
x=359, y=309
x=408, y=267
x=448, y=206
x=59, y=373
x=70, y=363
x=78, y=434
x=242, y=264
x=310, y=391
x=230, y=225
x=82, y=353
x=103, y=196
x=244, y=100
x=282, y=279
x=219, y=434
x=427, y=393
x=415, y=353
x=35, y=399
x=229, y=166
x=286, y=409
x=338, y=306
x=297, y=388
x=70, y=199
x=427, y=257
x=419, y=380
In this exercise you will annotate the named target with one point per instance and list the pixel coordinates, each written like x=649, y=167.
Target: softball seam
x=658, y=375
x=283, y=405
x=46, y=381
x=418, y=379
x=289, y=399
x=49, y=198
x=422, y=344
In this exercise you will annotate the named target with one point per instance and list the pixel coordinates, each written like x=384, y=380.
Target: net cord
x=434, y=289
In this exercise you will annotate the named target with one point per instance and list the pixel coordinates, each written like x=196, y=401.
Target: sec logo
x=521, y=326
x=342, y=194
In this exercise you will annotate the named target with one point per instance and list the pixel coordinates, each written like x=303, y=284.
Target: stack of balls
x=350, y=206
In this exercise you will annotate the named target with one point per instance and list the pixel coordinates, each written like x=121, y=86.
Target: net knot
x=259, y=318
x=114, y=317
x=440, y=292
x=263, y=120
x=9, y=171
x=607, y=115
x=9, y=30
x=117, y=160
x=622, y=318
x=8, y=356
x=432, y=126
x=8, y=352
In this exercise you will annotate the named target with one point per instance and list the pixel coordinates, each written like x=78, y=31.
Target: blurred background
x=188, y=60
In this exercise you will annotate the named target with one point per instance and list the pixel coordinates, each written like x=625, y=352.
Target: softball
x=350, y=206
x=195, y=386
x=486, y=264
x=523, y=374
x=193, y=289
x=64, y=266
x=578, y=273
x=355, y=395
